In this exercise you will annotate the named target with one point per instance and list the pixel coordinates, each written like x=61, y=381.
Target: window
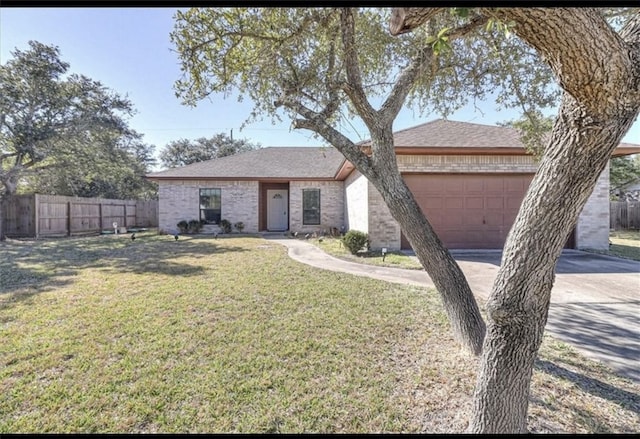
x=310, y=206
x=210, y=206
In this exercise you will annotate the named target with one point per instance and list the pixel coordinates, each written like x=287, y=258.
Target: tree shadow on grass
x=611, y=334
x=625, y=399
x=35, y=266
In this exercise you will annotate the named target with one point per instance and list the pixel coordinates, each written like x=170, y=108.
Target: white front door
x=277, y=209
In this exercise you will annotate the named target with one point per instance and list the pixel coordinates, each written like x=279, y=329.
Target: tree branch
x=404, y=20
x=350, y=150
x=331, y=82
x=630, y=33
x=316, y=122
x=393, y=104
x=559, y=36
x=353, y=88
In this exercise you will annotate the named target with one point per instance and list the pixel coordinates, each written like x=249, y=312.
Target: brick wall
x=179, y=200
x=331, y=205
x=356, y=200
x=592, y=229
x=466, y=163
x=384, y=231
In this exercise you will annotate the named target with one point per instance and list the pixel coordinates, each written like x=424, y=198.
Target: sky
x=129, y=51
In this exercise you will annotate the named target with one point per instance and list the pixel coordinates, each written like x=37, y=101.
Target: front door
x=277, y=210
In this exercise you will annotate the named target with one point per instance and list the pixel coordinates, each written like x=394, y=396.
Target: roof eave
x=626, y=149
x=457, y=150
x=193, y=178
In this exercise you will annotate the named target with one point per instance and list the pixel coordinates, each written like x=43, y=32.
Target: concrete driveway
x=595, y=301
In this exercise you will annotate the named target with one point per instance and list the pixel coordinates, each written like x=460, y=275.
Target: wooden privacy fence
x=624, y=215
x=54, y=215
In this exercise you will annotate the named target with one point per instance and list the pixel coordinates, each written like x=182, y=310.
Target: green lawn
x=397, y=259
x=104, y=334
x=625, y=243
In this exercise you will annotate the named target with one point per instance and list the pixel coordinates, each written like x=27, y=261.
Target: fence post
x=68, y=218
x=36, y=201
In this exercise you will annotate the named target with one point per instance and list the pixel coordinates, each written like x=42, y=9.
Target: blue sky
x=128, y=50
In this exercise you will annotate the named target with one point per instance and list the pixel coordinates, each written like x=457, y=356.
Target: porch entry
x=277, y=210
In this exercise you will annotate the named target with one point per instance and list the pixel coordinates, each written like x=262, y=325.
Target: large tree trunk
x=599, y=71
x=601, y=76
x=519, y=302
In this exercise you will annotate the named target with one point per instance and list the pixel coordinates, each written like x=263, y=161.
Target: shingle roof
x=324, y=162
x=271, y=162
x=442, y=133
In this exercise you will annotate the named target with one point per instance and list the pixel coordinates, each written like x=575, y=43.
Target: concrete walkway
x=595, y=301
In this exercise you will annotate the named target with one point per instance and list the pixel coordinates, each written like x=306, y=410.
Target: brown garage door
x=469, y=210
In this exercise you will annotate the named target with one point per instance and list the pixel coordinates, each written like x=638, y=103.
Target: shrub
x=225, y=226
x=239, y=226
x=355, y=240
x=183, y=226
x=195, y=226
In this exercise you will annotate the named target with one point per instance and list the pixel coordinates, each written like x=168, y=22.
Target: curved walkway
x=595, y=301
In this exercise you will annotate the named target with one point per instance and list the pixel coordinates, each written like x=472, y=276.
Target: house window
x=210, y=206
x=310, y=206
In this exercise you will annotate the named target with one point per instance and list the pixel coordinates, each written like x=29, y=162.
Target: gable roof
x=442, y=133
x=265, y=163
x=453, y=137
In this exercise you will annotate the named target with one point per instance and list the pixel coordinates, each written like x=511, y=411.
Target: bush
x=195, y=226
x=354, y=241
x=183, y=226
x=239, y=226
x=225, y=226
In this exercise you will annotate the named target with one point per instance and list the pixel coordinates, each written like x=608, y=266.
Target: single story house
x=469, y=179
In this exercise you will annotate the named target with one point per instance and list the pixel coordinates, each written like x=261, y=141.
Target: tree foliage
x=65, y=133
x=114, y=169
x=269, y=53
x=534, y=129
x=624, y=170
x=184, y=152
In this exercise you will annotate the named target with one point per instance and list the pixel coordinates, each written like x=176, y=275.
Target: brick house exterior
x=309, y=189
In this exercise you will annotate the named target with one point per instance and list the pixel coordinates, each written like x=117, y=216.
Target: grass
x=397, y=259
x=625, y=244
x=108, y=335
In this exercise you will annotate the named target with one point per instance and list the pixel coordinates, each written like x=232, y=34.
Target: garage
x=470, y=211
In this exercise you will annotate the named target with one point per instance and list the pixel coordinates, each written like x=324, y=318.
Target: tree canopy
x=271, y=55
x=66, y=134
x=184, y=152
x=624, y=170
